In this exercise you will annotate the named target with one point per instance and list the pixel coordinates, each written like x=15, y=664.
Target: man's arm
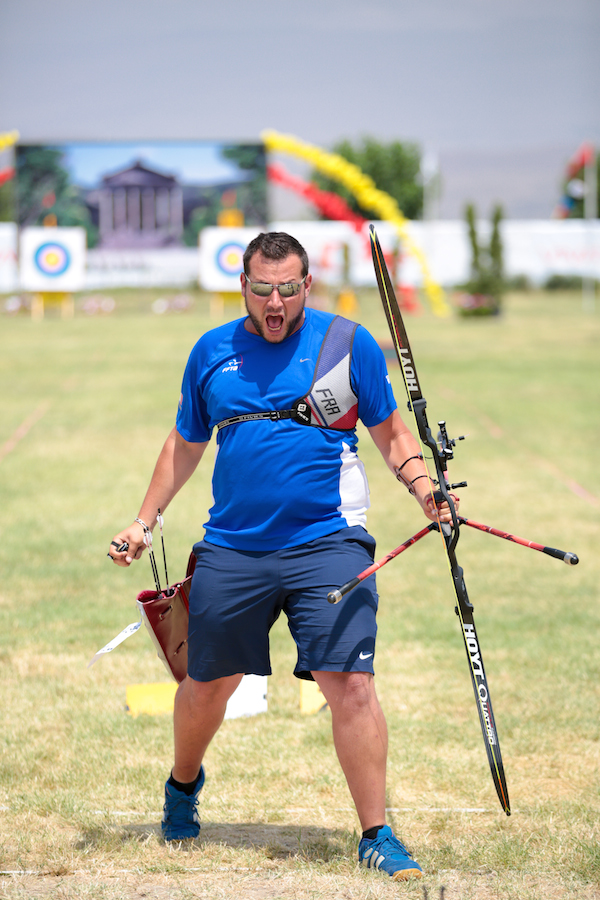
x=401, y=452
x=176, y=463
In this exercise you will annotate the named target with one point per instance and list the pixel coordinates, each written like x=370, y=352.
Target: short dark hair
x=276, y=245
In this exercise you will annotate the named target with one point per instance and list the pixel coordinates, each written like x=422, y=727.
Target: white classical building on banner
x=139, y=208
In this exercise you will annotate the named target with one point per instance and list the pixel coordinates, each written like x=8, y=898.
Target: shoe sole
x=406, y=874
x=185, y=837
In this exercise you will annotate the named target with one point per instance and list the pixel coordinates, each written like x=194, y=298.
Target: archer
x=284, y=387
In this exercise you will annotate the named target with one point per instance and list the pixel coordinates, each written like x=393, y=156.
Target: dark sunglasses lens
x=260, y=289
x=289, y=290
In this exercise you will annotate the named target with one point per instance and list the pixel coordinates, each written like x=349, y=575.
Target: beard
x=290, y=327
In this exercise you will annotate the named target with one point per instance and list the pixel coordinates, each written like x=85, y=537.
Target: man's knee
x=204, y=694
x=349, y=691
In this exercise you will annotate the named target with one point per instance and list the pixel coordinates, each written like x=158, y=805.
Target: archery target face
x=52, y=259
x=221, y=257
x=230, y=259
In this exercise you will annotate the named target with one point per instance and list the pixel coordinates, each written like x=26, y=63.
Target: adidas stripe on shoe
x=387, y=854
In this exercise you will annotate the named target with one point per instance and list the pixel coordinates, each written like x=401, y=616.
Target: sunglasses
x=262, y=289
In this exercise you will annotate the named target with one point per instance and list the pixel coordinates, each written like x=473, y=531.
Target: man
x=284, y=386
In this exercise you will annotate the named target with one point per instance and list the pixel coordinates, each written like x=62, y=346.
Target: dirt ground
x=267, y=885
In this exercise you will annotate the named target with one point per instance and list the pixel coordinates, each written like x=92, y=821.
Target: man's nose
x=275, y=298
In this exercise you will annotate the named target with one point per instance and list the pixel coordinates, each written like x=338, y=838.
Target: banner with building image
x=141, y=196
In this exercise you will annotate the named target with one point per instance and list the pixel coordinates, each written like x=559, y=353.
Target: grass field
x=86, y=405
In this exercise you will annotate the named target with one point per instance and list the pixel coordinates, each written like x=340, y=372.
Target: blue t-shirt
x=278, y=484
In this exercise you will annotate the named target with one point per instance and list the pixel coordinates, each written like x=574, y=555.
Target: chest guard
x=330, y=402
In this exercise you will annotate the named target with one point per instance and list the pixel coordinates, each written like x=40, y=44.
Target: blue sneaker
x=387, y=854
x=180, y=815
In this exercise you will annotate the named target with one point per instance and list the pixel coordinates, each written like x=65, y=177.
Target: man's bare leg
x=199, y=711
x=360, y=738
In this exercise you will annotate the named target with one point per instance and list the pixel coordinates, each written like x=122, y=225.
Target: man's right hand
x=133, y=537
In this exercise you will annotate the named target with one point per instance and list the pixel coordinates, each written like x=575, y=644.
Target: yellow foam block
x=346, y=302
x=311, y=699
x=227, y=302
x=151, y=699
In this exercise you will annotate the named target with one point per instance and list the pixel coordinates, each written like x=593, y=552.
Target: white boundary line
x=309, y=809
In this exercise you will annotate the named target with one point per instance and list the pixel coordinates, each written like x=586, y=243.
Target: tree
x=394, y=167
x=7, y=200
x=486, y=286
x=252, y=194
x=44, y=188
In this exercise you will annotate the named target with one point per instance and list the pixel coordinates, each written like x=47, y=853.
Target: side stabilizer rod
x=570, y=559
x=336, y=596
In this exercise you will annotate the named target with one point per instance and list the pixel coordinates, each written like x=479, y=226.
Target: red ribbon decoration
x=331, y=205
x=6, y=175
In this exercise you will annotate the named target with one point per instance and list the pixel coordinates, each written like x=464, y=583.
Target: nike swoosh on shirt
x=363, y=655
x=306, y=359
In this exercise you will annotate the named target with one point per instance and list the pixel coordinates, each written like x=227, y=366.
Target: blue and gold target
x=52, y=259
x=230, y=258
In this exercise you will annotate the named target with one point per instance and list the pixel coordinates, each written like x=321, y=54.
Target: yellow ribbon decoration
x=368, y=196
x=8, y=139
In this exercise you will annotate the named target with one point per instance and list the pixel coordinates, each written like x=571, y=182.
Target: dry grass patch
x=81, y=782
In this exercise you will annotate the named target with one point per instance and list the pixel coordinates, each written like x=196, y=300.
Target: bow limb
x=440, y=454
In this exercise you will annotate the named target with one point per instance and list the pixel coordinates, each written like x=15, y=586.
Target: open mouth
x=274, y=324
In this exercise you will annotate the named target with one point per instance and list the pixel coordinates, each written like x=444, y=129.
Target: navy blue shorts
x=237, y=595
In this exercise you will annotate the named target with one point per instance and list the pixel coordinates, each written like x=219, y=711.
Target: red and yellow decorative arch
x=7, y=139
x=368, y=196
